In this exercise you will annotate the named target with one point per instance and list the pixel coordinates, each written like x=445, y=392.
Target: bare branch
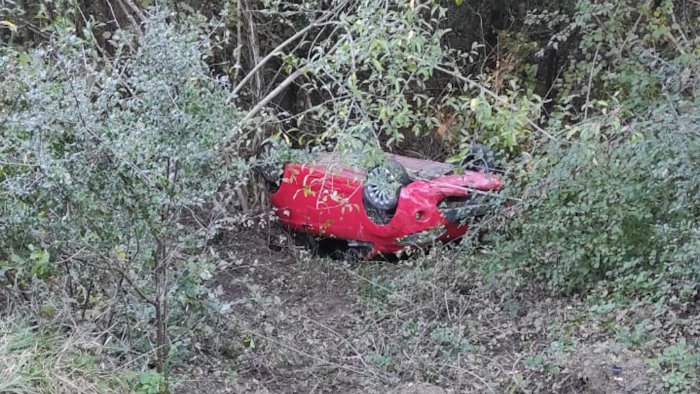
x=288, y=81
x=136, y=10
x=320, y=22
x=239, y=46
x=133, y=21
x=254, y=51
x=590, y=84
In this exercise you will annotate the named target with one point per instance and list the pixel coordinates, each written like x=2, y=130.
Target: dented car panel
x=326, y=199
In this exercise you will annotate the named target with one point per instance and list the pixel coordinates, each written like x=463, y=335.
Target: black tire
x=481, y=159
x=349, y=254
x=383, y=184
x=355, y=254
x=271, y=169
x=306, y=241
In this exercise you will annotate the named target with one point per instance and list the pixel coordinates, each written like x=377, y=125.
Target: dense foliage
x=621, y=210
x=612, y=201
x=107, y=165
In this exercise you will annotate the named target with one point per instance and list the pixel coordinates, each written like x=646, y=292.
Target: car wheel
x=271, y=169
x=383, y=185
x=481, y=159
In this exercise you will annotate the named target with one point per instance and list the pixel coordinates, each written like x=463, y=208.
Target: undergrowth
x=49, y=360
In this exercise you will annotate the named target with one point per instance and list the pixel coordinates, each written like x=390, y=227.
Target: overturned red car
x=402, y=203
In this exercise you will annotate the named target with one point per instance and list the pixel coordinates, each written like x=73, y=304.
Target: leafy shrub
x=106, y=166
x=622, y=210
x=374, y=69
x=680, y=364
x=635, y=53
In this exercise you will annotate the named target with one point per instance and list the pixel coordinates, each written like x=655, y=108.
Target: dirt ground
x=303, y=324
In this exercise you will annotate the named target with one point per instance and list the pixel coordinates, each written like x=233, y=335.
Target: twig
x=675, y=42
x=284, y=84
x=332, y=331
x=514, y=371
x=630, y=33
x=254, y=52
x=15, y=164
x=470, y=373
x=67, y=259
x=123, y=274
x=36, y=30
x=234, y=92
x=239, y=46
x=136, y=10
x=128, y=15
x=680, y=29
x=447, y=307
x=309, y=355
x=590, y=83
x=114, y=15
x=311, y=109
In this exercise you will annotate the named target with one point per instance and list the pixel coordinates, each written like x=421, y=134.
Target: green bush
x=621, y=211
x=106, y=167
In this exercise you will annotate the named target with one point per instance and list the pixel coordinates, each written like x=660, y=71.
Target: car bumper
x=438, y=210
x=474, y=206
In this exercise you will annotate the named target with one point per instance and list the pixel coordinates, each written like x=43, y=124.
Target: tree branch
x=136, y=10
x=128, y=15
x=254, y=52
x=288, y=81
x=320, y=22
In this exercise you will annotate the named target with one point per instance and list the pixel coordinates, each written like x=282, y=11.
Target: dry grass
x=41, y=360
x=298, y=323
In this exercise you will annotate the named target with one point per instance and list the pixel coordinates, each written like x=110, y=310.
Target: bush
x=627, y=51
x=623, y=210
x=107, y=164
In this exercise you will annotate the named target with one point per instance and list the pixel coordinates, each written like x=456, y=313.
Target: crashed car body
x=422, y=202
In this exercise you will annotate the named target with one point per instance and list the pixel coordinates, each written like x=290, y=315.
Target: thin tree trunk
x=161, y=287
x=254, y=51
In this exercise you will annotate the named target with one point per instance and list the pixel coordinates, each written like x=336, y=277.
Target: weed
x=679, y=363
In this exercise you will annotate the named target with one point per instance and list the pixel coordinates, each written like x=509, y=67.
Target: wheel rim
x=271, y=171
x=381, y=193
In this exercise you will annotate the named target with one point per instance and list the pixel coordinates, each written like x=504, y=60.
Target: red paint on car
x=326, y=199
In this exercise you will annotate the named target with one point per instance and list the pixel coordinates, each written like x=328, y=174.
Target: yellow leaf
x=9, y=25
x=307, y=191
